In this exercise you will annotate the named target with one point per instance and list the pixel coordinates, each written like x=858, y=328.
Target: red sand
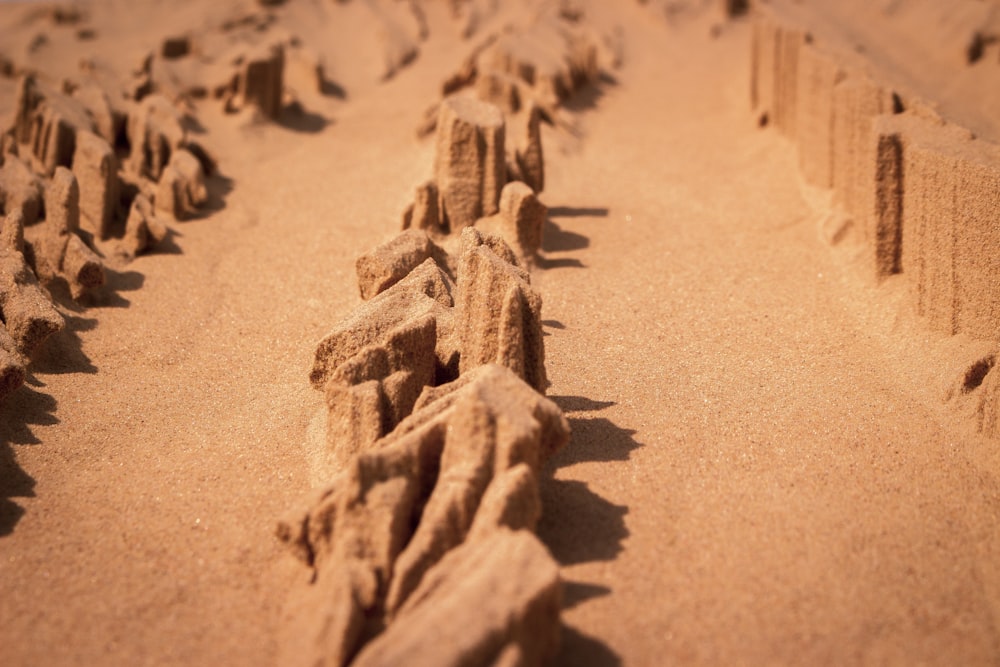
x=763, y=468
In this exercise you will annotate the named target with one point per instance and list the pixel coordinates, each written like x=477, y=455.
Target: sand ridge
x=914, y=192
x=435, y=434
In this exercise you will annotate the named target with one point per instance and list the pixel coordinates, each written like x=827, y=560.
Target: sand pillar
x=96, y=169
x=469, y=168
x=260, y=83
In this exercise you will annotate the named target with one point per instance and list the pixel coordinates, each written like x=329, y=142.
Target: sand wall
x=949, y=232
x=817, y=77
x=921, y=195
x=775, y=73
x=857, y=101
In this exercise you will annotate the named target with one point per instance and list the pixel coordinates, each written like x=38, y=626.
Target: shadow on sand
x=63, y=353
x=21, y=410
x=556, y=239
x=299, y=119
x=580, y=526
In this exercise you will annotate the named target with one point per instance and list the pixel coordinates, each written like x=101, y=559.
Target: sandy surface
x=758, y=473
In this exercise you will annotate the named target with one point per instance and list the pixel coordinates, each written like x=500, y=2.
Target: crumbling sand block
x=424, y=213
x=581, y=56
x=96, y=169
x=530, y=160
x=12, y=362
x=520, y=221
x=207, y=160
x=522, y=57
x=950, y=195
x=97, y=104
x=977, y=242
x=370, y=393
x=259, y=82
x=469, y=165
x=57, y=249
x=499, y=314
x=525, y=217
x=171, y=78
x=505, y=589
x=12, y=231
x=763, y=56
x=102, y=93
x=46, y=122
x=155, y=132
x=818, y=74
x=552, y=59
x=786, y=77
x=499, y=89
x=857, y=101
x=466, y=74
x=883, y=237
x=496, y=244
x=398, y=48
x=62, y=217
x=12, y=371
x=81, y=267
x=67, y=14
x=27, y=310
x=20, y=190
x=142, y=228
x=390, y=262
x=351, y=535
x=513, y=500
x=175, y=47
x=304, y=69
x=775, y=63
x=882, y=215
x=987, y=410
x=734, y=8
x=426, y=290
x=357, y=528
x=437, y=400
x=355, y=418
x=495, y=422
x=398, y=27
x=928, y=259
x=182, y=189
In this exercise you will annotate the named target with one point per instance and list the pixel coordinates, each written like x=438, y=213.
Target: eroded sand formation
x=393, y=540
x=86, y=176
x=436, y=417
x=419, y=546
x=918, y=193
x=437, y=427
x=96, y=163
x=529, y=71
x=93, y=166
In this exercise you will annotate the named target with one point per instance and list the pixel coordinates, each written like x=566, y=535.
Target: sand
x=773, y=345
